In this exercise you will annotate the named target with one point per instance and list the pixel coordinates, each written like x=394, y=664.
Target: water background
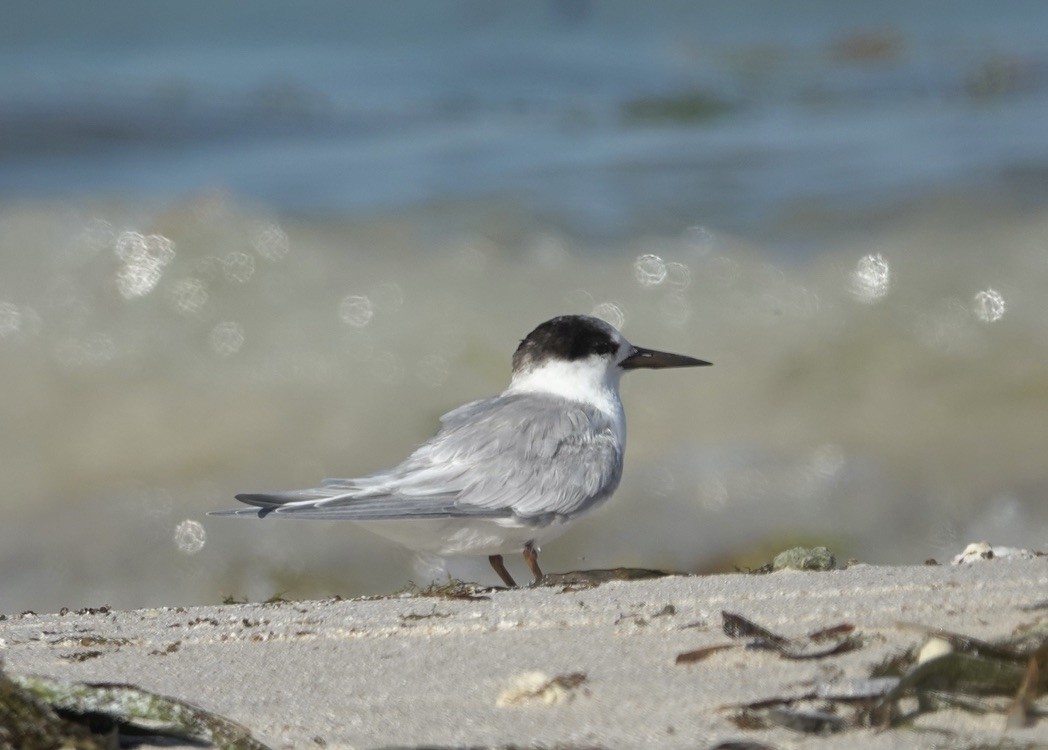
x=248, y=248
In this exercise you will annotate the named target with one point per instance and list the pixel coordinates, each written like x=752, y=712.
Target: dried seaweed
x=1020, y=712
x=808, y=722
x=737, y=626
x=450, y=589
x=1006, y=677
x=578, y=580
x=812, y=646
x=839, y=637
x=690, y=657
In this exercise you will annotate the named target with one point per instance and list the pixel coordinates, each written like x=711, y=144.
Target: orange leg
x=531, y=557
x=500, y=568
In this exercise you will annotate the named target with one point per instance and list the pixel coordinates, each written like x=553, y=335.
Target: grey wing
x=370, y=498
x=545, y=455
x=524, y=455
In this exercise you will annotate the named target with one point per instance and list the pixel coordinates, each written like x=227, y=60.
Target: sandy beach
x=555, y=666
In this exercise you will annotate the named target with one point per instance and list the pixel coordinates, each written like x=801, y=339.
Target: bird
x=502, y=474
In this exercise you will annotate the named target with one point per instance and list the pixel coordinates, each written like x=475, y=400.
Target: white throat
x=589, y=381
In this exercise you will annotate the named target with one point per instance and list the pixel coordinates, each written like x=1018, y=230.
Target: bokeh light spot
x=133, y=246
x=188, y=295
x=649, y=269
x=227, y=338
x=190, y=536
x=270, y=241
x=238, y=267
x=137, y=279
x=10, y=319
x=356, y=310
x=678, y=276
x=143, y=259
x=871, y=278
x=610, y=312
x=989, y=306
x=700, y=239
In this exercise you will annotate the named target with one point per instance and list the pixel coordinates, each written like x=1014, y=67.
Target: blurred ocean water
x=247, y=250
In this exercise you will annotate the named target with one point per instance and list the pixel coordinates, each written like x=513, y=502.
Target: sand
x=542, y=667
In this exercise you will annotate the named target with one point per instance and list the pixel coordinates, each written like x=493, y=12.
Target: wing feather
x=525, y=455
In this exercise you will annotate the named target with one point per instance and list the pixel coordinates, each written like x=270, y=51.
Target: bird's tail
x=266, y=503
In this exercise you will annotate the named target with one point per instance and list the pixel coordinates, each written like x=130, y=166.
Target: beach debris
x=933, y=649
x=859, y=688
x=578, y=580
x=959, y=642
x=947, y=670
x=96, y=646
x=1021, y=711
x=276, y=598
x=424, y=616
x=32, y=723
x=955, y=670
x=690, y=657
x=737, y=626
x=453, y=588
x=980, y=551
x=808, y=722
x=44, y=712
x=81, y=655
x=537, y=687
x=668, y=611
x=805, y=558
x=837, y=639
x=640, y=619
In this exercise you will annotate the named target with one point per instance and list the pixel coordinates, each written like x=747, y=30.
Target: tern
x=503, y=474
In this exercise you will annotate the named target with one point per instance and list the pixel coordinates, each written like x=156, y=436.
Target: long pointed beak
x=651, y=359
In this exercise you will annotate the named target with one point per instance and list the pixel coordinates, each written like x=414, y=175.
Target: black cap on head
x=568, y=337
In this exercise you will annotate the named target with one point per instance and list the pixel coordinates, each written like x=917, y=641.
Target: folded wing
x=524, y=455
